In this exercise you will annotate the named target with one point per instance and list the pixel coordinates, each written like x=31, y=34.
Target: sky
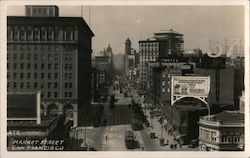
x=114, y=24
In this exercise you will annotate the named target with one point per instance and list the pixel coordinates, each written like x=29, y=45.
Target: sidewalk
x=157, y=129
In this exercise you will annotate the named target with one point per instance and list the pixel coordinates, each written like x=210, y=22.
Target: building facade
x=222, y=132
x=164, y=44
x=51, y=54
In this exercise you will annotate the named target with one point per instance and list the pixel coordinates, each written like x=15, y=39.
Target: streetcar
x=129, y=139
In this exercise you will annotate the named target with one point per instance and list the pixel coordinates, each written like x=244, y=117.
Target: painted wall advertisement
x=190, y=86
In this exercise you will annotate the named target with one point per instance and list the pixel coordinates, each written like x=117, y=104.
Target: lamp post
x=85, y=132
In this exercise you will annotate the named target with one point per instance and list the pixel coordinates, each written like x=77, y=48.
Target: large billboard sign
x=23, y=106
x=190, y=86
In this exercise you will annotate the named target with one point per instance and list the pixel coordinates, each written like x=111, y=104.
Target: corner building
x=52, y=55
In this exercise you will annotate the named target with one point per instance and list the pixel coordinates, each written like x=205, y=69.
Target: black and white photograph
x=131, y=78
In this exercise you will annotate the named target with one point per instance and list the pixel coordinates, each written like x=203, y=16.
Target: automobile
x=193, y=143
x=156, y=113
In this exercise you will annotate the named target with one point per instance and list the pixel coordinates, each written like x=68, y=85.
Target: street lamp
x=85, y=132
x=151, y=119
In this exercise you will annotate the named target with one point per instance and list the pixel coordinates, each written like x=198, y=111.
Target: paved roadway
x=118, y=121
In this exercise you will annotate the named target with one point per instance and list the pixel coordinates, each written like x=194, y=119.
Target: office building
x=164, y=44
x=52, y=55
x=222, y=131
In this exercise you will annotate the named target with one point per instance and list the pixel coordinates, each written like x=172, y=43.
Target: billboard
x=23, y=106
x=190, y=86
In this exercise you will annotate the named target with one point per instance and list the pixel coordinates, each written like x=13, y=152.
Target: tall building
x=130, y=60
x=52, y=55
x=164, y=44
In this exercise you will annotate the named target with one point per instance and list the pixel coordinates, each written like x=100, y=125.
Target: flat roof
x=56, y=21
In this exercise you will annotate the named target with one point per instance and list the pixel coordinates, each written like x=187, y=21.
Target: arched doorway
x=68, y=111
x=189, y=110
x=52, y=110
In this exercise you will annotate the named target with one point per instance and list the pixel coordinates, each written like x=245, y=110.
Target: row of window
x=35, y=66
x=148, y=57
x=67, y=76
x=56, y=94
x=40, y=47
x=34, y=56
x=35, y=85
x=42, y=33
x=230, y=139
x=149, y=45
x=39, y=66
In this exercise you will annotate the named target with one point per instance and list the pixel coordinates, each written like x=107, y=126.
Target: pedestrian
x=167, y=141
x=142, y=148
x=106, y=137
x=180, y=145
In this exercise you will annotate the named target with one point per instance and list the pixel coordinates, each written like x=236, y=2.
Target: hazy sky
x=114, y=24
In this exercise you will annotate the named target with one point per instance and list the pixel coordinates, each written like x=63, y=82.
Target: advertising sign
x=190, y=86
x=23, y=106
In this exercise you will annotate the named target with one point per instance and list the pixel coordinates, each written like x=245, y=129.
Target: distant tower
x=127, y=47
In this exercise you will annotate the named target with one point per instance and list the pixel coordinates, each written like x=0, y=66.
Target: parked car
x=193, y=143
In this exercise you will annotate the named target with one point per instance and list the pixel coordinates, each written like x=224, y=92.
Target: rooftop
x=227, y=117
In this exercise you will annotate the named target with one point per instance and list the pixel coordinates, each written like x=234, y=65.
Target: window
x=49, y=66
x=42, y=85
x=213, y=136
x=49, y=75
x=43, y=33
x=66, y=85
x=65, y=94
x=163, y=90
x=163, y=83
x=66, y=75
x=56, y=57
x=15, y=56
x=42, y=75
x=56, y=66
x=35, y=66
x=35, y=84
x=35, y=56
x=55, y=85
x=21, y=85
x=56, y=75
x=207, y=135
x=49, y=57
x=70, y=85
x=29, y=33
x=28, y=85
x=42, y=66
x=15, y=65
x=36, y=34
x=70, y=76
x=28, y=56
x=28, y=75
x=49, y=84
x=163, y=75
x=49, y=94
x=14, y=75
x=8, y=85
x=8, y=75
x=22, y=65
x=70, y=94
x=66, y=66
x=35, y=75
x=21, y=75
x=55, y=94
x=28, y=66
